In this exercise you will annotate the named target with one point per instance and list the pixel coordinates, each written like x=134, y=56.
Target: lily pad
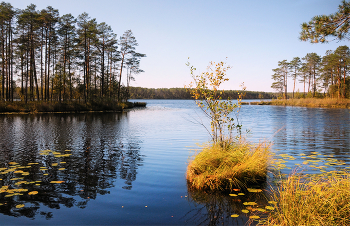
x=250, y=203
x=19, y=206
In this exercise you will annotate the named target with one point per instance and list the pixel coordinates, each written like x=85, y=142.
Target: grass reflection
x=235, y=208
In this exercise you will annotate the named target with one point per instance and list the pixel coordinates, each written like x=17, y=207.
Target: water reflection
x=304, y=130
x=87, y=154
x=106, y=157
x=225, y=209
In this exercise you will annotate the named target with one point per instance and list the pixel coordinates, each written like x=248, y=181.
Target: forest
x=182, y=93
x=48, y=57
x=326, y=75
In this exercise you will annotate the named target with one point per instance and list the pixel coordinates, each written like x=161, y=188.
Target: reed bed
x=236, y=165
x=313, y=102
x=318, y=200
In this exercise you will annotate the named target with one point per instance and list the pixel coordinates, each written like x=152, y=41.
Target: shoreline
x=21, y=108
x=307, y=102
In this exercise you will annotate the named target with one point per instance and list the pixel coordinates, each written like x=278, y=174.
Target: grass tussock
x=237, y=165
x=313, y=102
x=319, y=200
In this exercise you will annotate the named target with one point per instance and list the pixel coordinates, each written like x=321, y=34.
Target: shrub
x=205, y=89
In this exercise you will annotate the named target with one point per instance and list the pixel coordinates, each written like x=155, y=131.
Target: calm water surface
x=129, y=168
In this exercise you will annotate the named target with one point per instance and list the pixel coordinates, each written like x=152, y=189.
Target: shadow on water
x=63, y=161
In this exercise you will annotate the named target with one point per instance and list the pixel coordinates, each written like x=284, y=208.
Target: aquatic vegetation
x=320, y=199
x=311, y=102
x=237, y=165
x=15, y=181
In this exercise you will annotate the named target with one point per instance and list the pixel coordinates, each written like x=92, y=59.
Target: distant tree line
x=48, y=57
x=182, y=93
x=328, y=74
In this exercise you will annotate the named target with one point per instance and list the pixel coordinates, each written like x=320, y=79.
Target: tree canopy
x=48, y=57
x=336, y=25
x=329, y=74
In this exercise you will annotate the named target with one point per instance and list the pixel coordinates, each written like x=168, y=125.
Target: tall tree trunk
x=120, y=75
x=85, y=65
x=11, y=63
x=88, y=71
x=6, y=67
x=3, y=61
x=103, y=67
x=41, y=64
x=27, y=75
x=64, y=65
x=304, y=85
x=339, y=78
x=344, y=90
x=35, y=77
x=110, y=75
x=314, y=93
x=70, y=79
x=48, y=66
x=22, y=76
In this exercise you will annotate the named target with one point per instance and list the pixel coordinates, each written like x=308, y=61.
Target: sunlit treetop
x=334, y=25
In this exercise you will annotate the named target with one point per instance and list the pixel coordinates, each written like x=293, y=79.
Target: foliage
x=311, y=67
x=205, y=90
x=294, y=66
x=320, y=200
x=320, y=27
x=328, y=73
x=280, y=76
x=237, y=165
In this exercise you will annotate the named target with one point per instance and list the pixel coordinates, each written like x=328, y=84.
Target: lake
x=129, y=168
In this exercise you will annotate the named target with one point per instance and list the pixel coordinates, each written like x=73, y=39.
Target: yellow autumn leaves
x=16, y=174
x=253, y=207
x=55, y=153
x=14, y=192
x=313, y=161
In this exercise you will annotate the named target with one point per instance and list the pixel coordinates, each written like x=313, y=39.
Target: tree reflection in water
x=217, y=208
x=99, y=147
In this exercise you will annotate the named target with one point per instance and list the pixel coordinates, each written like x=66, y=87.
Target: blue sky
x=253, y=35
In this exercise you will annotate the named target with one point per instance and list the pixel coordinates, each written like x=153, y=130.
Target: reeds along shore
x=319, y=200
x=308, y=102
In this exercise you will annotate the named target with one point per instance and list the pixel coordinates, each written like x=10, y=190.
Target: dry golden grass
x=319, y=200
x=237, y=165
x=314, y=102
